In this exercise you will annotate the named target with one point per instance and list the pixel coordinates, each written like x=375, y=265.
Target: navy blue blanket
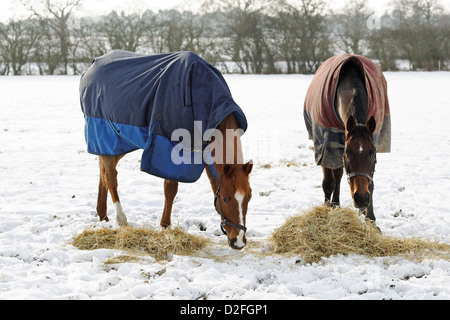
x=134, y=101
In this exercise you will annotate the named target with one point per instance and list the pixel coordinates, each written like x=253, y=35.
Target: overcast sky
x=13, y=8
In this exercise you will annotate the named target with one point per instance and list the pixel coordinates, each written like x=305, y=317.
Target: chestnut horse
x=231, y=188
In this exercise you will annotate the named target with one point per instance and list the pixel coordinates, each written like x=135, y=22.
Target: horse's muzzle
x=361, y=201
x=237, y=244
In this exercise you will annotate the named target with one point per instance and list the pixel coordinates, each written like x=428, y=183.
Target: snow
x=48, y=194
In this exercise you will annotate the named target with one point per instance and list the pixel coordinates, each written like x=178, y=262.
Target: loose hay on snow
x=158, y=244
x=323, y=232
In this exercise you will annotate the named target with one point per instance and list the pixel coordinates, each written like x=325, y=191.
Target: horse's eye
x=226, y=200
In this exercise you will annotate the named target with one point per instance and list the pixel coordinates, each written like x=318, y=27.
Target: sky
x=13, y=9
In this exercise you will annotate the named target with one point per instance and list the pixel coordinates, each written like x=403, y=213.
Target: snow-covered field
x=48, y=193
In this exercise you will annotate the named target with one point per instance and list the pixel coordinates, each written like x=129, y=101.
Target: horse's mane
x=360, y=101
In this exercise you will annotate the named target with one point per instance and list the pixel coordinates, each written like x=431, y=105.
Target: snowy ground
x=48, y=191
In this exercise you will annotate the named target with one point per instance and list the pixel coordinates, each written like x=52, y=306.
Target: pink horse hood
x=325, y=127
x=320, y=96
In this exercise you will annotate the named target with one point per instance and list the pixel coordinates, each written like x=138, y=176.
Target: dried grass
x=316, y=233
x=158, y=244
x=323, y=232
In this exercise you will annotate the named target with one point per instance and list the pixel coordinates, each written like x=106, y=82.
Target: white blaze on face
x=240, y=238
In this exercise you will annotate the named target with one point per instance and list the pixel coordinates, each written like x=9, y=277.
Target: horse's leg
x=102, y=193
x=328, y=184
x=337, y=175
x=370, y=213
x=110, y=164
x=170, y=191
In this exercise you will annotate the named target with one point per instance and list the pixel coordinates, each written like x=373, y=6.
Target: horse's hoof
x=122, y=221
x=121, y=218
x=374, y=224
x=333, y=205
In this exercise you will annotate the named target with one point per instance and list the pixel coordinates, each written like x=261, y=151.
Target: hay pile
x=158, y=244
x=323, y=232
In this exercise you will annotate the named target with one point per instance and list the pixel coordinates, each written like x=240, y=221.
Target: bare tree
x=443, y=34
x=47, y=54
x=171, y=31
x=313, y=33
x=56, y=16
x=282, y=27
x=245, y=37
x=351, y=26
x=17, y=42
x=382, y=45
x=197, y=36
x=417, y=32
x=122, y=31
x=92, y=43
x=250, y=36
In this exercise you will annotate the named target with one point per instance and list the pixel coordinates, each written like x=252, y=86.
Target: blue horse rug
x=133, y=101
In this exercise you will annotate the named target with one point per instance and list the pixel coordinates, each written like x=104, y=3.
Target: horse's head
x=360, y=159
x=232, y=196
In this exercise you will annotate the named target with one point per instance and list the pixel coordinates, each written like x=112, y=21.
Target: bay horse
x=360, y=152
x=134, y=101
x=358, y=99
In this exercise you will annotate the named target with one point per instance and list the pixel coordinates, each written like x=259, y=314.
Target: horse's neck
x=230, y=144
x=351, y=100
x=228, y=150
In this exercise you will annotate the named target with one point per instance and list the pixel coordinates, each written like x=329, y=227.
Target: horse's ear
x=227, y=170
x=248, y=167
x=351, y=125
x=371, y=125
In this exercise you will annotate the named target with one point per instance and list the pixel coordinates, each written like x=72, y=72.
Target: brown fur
x=235, y=178
x=351, y=105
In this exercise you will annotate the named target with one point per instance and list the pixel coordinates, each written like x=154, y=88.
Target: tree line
x=243, y=36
